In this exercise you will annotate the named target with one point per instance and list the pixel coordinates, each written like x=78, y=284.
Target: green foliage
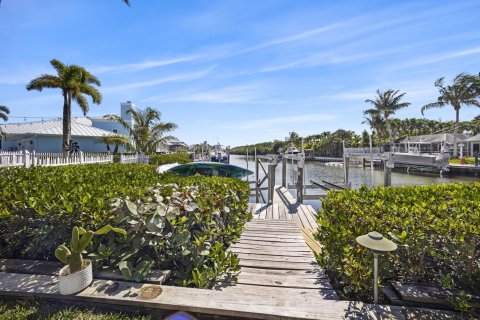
x=42, y=310
x=161, y=159
x=146, y=129
x=437, y=228
x=183, y=228
x=173, y=226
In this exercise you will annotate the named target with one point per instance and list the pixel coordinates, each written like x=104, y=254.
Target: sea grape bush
x=73, y=189
x=174, y=228
x=161, y=159
x=437, y=228
x=39, y=207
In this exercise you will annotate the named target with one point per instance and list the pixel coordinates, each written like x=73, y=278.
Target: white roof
x=436, y=138
x=81, y=127
x=474, y=138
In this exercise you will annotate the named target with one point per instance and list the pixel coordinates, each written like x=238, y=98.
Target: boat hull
x=211, y=169
x=431, y=161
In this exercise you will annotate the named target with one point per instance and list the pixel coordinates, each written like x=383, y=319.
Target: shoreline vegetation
x=329, y=144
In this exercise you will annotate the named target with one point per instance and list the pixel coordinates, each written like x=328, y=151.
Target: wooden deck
x=276, y=262
x=284, y=207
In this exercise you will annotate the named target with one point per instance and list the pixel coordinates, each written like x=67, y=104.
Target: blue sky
x=242, y=71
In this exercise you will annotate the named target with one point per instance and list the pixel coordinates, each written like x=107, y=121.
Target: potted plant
x=77, y=274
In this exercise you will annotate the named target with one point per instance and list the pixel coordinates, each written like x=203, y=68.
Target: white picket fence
x=135, y=158
x=27, y=159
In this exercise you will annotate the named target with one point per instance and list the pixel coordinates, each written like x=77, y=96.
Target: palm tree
x=116, y=140
x=3, y=115
x=75, y=82
x=464, y=90
x=385, y=105
x=377, y=124
x=146, y=129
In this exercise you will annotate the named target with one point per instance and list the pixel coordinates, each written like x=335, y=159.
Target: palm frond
x=82, y=103
x=44, y=81
x=432, y=106
x=58, y=66
x=4, y=109
x=91, y=92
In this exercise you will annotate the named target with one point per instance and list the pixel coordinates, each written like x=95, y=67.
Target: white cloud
x=250, y=93
x=269, y=122
x=159, y=81
x=432, y=59
x=139, y=66
x=293, y=38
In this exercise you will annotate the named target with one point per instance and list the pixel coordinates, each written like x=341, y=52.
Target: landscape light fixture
x=378, y=244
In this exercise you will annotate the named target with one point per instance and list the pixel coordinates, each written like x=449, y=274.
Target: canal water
x=318, y=171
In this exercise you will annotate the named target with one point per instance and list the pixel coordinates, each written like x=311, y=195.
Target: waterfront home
x=46, y=136
x=473, y=145
x=438, y=141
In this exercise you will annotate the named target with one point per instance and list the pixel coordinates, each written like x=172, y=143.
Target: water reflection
x=318, y=171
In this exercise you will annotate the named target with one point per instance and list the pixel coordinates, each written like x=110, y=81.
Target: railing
x=27, y=159
x=361, y=150
x=135, y=158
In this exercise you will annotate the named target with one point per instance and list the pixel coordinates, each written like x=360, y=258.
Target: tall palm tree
x=385, y=105
x=4, y=111
x=464, y=90
x=146, y=129
x=116, y=140
x=75, y=83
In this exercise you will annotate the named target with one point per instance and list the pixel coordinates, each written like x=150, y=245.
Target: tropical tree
x=385, y=105
x=75, y=83
x=463, y=91
x=116, y=140
x=375, y=121
x=146, y=129
x=4, y=111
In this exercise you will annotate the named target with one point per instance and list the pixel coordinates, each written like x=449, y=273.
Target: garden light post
x=378, y=244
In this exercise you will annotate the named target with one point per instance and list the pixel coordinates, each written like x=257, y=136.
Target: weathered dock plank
x=242, y=304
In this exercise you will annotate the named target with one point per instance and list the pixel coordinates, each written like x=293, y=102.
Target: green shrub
x=186, y=229
x=39, y=206
x=437, y=228
x=161, y=159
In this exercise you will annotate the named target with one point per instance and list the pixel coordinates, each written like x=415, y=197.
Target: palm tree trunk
x=457, y=120
x=389, y=130
x=66, y=125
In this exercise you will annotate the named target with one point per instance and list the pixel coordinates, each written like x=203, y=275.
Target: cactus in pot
x=73, y=256
x=77, y=274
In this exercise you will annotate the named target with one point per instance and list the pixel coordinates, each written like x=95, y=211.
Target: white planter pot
x=73, y=283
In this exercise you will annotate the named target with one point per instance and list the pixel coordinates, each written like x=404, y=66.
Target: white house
x=473, y=145
x=438, y=141
x=46, y=136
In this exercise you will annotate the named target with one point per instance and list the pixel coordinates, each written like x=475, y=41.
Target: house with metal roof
x=46, y=136
x=473, y=145
x=439, y=141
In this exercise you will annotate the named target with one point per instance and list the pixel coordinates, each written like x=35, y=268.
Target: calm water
x=318, y=171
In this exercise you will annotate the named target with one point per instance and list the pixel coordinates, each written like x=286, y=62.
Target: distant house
x=473, y=145
x=173, y=146
x=46, y=136
x=439, y=141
